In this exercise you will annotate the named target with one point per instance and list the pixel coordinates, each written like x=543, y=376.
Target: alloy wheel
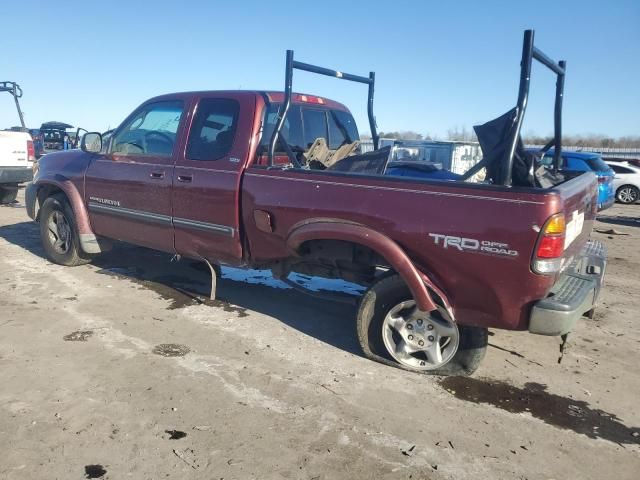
x=419, y=340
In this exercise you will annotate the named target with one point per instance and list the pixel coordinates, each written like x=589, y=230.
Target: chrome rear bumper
x=574, y=294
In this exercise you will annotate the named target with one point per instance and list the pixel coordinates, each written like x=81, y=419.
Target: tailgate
x=13, y=149
x=579, y=203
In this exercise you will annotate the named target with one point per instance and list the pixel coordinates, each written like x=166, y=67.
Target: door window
x=214, y=129
x=150, y=131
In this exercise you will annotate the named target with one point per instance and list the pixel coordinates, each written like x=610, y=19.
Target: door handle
x=185, y=178
x=157, y=175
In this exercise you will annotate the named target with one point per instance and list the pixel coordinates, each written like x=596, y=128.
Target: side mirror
x=91, y=142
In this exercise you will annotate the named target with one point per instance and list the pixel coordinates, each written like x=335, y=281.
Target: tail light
x=31, y=151
x=550, y=246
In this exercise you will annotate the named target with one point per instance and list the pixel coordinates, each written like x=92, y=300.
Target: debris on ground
x=187, y=456
x=409, y=451
x=611, y=231
x=171, y=350
x=175, y=434
x=78, y=336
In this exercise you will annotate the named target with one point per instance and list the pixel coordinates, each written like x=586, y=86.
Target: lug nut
x=431, y=338
x=429, y=327
x=421, y=343
x=410, y=337
x=409, y=326
x=419, y=321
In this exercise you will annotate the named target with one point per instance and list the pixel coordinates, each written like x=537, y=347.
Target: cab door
x=206, y=183
x=128, y=189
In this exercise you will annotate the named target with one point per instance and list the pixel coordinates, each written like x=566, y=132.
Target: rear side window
x=597, y=164
x=547, y=161
x=291, y=130
x=213, y=130
x=315, y=125
x=619, y=169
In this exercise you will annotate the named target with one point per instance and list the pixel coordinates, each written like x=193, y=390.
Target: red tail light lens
x=31, y=151
x=548, y=255
x=550, y=247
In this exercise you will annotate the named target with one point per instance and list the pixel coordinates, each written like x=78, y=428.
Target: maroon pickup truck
x=277, y=180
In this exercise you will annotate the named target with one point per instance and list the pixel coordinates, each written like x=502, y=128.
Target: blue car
x=585, y=162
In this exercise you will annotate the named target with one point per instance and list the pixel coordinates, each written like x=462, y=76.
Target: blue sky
x=438, y=64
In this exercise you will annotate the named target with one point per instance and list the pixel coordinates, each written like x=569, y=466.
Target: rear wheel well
x=350, y=261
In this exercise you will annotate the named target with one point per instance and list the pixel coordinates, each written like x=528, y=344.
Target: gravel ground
x=122, y=369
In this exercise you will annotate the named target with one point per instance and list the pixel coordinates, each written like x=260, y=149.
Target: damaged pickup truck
x=276, y=180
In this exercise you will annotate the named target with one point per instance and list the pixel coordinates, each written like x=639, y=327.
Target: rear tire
x=628, y=194
x=59, y=234
x=466, y=345
x=8, y=194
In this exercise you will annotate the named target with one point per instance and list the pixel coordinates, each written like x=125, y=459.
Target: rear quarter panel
x=484, y=289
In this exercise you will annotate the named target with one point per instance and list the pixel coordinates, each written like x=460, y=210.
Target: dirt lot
x=270, y=383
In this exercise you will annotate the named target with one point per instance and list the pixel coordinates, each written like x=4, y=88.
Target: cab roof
x=270, y=96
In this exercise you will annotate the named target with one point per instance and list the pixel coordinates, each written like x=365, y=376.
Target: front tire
x=8, y=194
x=393, y=331
x=628, y=194
x=59, y=234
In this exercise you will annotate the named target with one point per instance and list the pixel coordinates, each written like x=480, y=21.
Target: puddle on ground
x=567, y=413
x=78, y=336
x=171, y=350
x=94, y=471
x=175, y=434
x=181, y=291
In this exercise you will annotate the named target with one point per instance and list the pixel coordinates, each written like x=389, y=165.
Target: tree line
x=462, y=134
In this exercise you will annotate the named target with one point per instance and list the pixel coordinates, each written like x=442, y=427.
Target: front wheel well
x=44, y=192
x=626, y=185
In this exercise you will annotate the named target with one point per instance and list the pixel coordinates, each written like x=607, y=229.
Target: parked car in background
x=17, y=151
x=53, y=134
x=17, y=155
x=38, y=141
x=456, y=157
x=589, y=162
x=626, y=182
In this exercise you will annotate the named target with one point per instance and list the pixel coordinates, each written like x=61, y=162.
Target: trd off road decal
x=473, y=245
